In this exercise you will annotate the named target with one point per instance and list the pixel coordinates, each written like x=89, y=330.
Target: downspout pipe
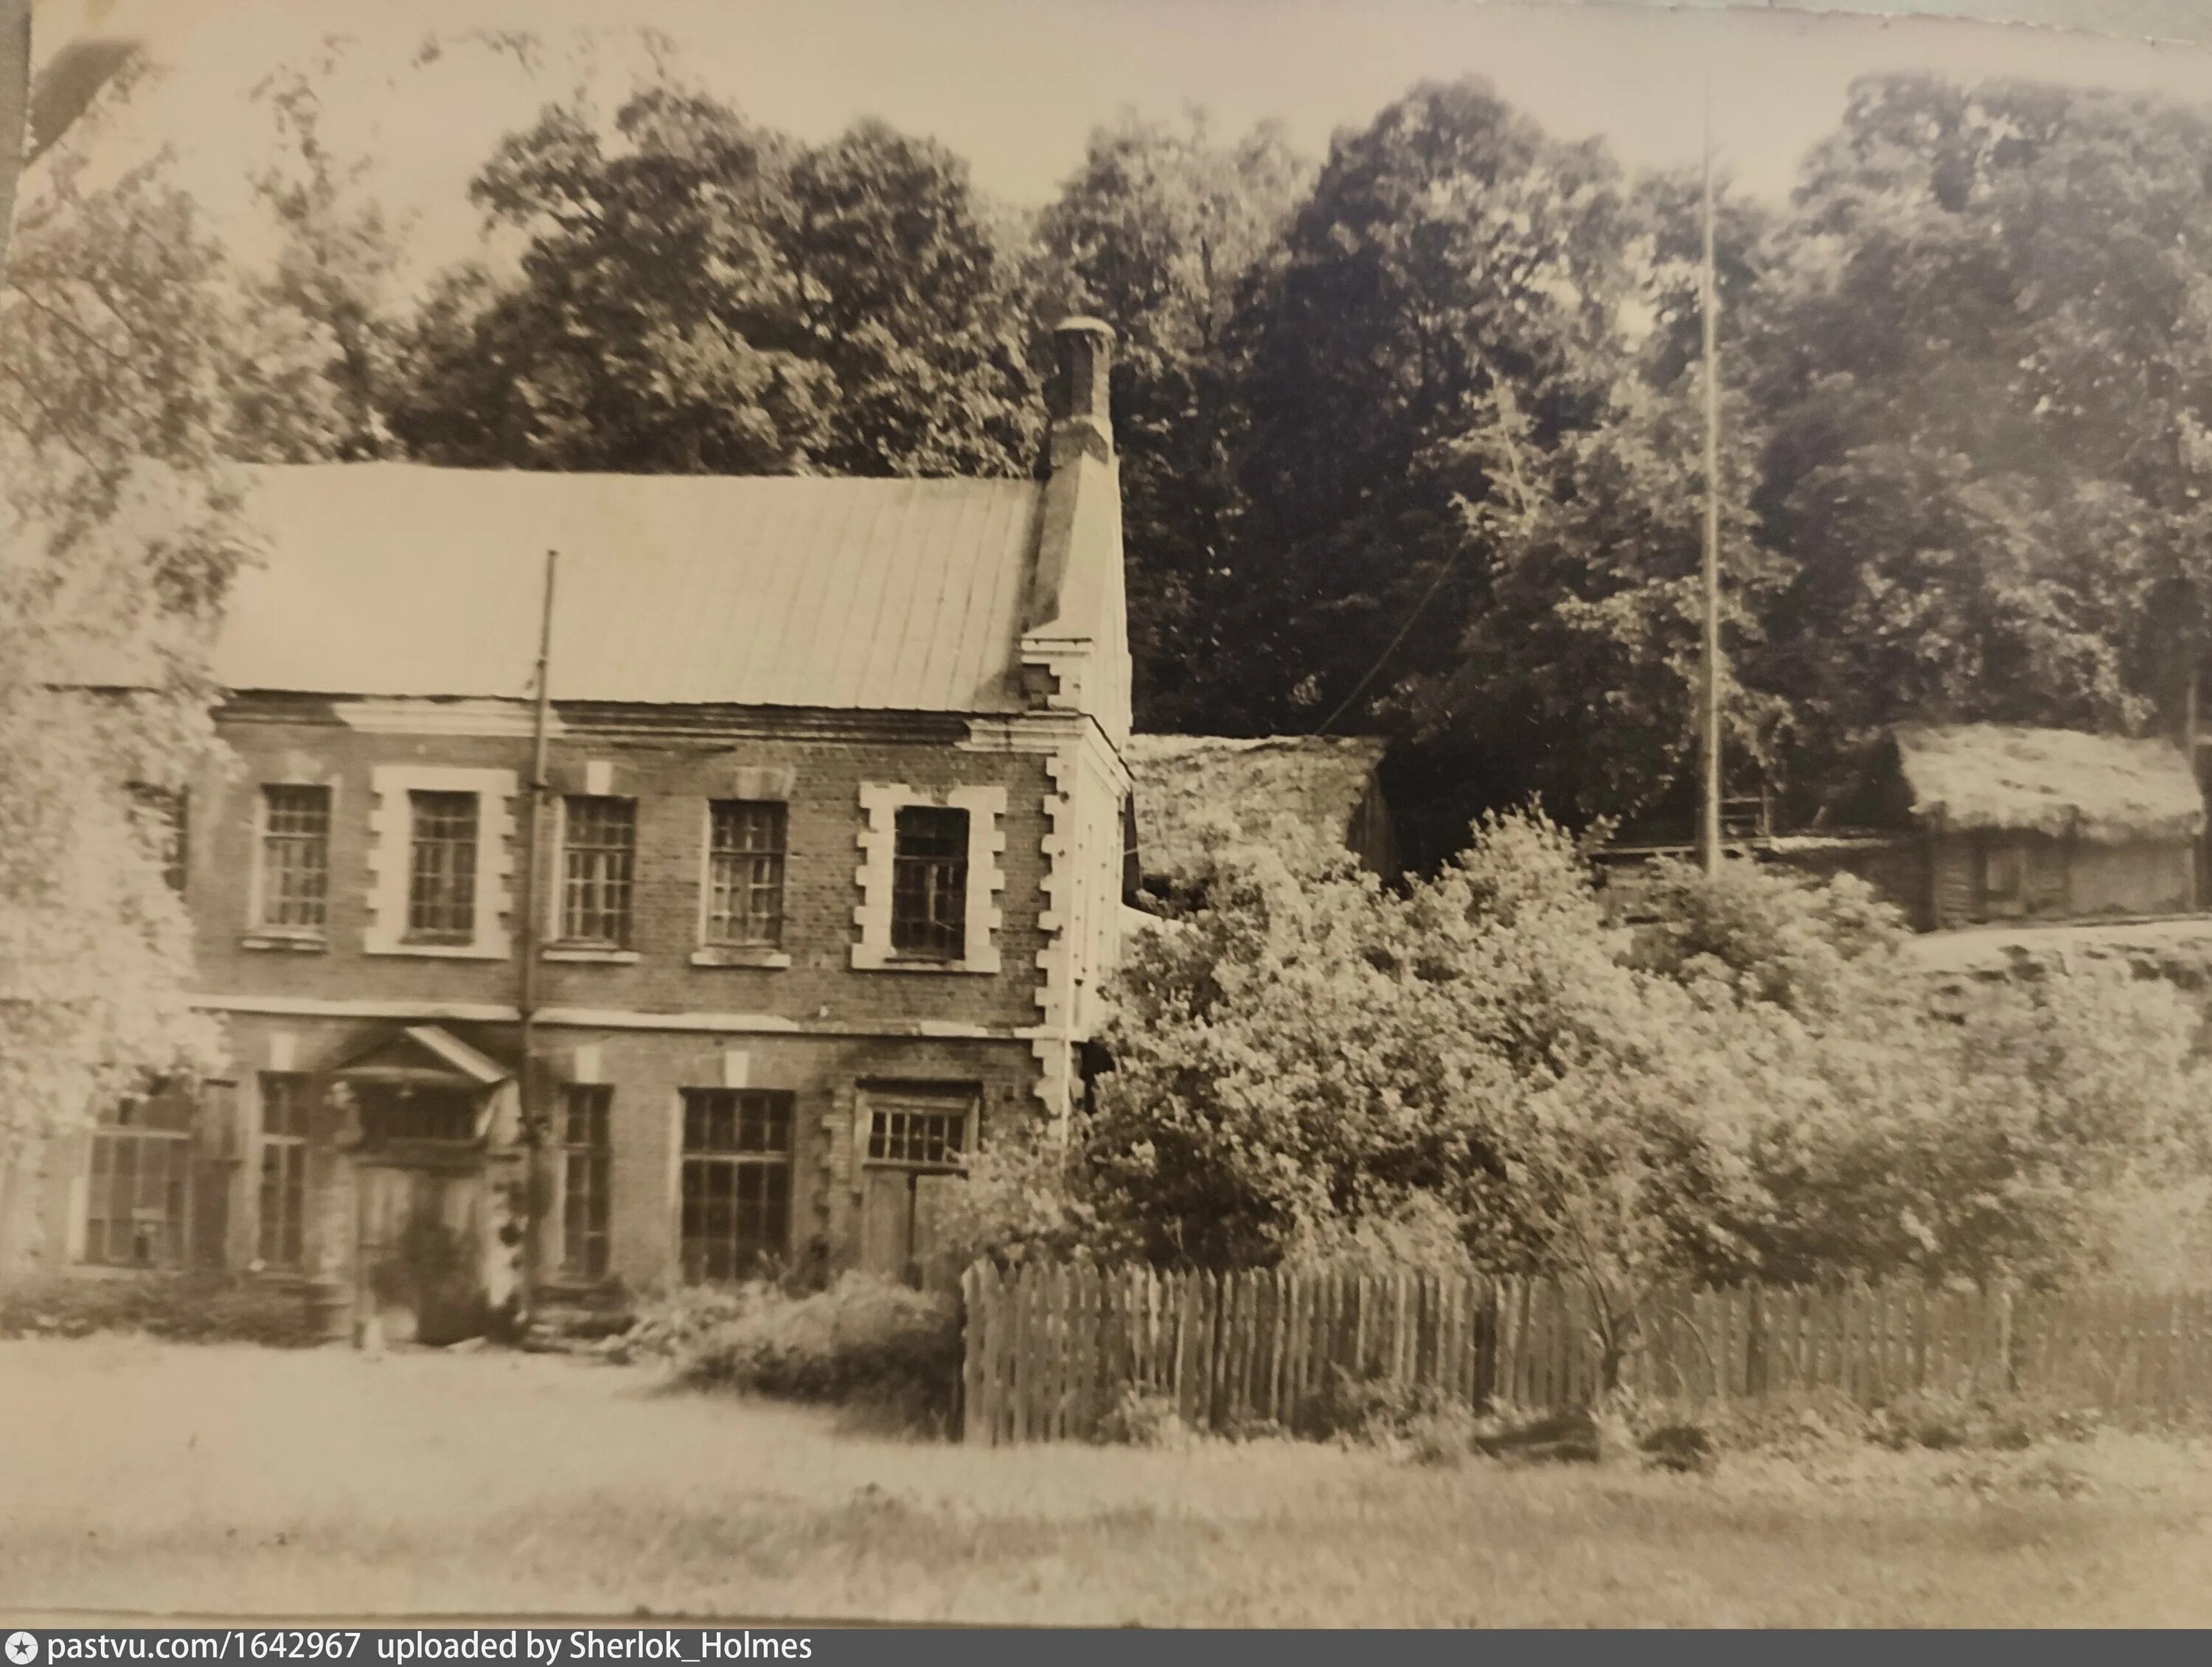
x=525, y=1081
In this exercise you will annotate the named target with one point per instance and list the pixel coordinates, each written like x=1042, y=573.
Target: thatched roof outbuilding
x=1326, y=783
x=2106, y=789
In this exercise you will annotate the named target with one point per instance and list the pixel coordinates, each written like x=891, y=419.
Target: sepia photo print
x=1266, y=814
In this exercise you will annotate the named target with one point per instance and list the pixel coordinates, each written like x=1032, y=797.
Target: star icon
x=22, y=1649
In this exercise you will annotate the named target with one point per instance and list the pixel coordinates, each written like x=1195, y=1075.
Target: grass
x=223, y=1480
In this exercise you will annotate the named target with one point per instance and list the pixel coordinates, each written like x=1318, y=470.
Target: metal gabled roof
x=399, y=580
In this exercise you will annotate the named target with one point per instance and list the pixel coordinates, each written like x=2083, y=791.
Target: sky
x=1015, y=86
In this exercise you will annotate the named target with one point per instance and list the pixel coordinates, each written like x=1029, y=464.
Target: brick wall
x=671, y=778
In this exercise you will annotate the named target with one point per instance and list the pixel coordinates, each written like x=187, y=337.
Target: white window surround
x=881, y=803
x=391, y=853
x=258, y=934
x=758, y=786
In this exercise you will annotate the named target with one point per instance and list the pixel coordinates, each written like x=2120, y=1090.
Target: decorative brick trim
x=987, y=876
x=390, y=844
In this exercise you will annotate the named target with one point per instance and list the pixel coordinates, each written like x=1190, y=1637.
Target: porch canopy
x=425, y=1055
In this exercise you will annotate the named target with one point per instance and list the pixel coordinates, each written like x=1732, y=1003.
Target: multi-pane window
x=923, y=1135
x=136, y=1192
x=442, y=875
x=929, y=883
x=737, y=1181
x=587, y=1158
x=744, y=873
x=296, y=856
x=599, y=848
x=167, y=810
x=283, y=1167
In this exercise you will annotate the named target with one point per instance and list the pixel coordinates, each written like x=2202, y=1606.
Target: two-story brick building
x=799, y=884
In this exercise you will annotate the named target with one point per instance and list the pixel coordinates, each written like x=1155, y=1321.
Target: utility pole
x=1709, y=711
x=527, y=1107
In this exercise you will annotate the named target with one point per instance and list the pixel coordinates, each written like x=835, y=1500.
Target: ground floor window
x=737, y=1181
x=138, y=1189
x=586, y=1160
x=283, y=1167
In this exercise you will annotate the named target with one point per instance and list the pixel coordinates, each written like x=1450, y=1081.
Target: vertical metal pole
x=1709, y=825
x=527, y=1005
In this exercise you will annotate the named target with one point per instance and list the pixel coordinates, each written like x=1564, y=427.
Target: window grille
x=929, y=883
x=296, y=856
x=442, y=877
x=587, y=1156
x=283, y=1167
x=745, y=899
x=736, y=1182
x=599, y=846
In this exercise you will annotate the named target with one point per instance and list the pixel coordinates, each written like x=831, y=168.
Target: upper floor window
x=442, y=877
x=599, y=848
x=929, y=882
x=744, y=873
x=296, y=856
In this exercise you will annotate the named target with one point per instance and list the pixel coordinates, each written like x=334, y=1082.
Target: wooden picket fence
x=1050, y=1350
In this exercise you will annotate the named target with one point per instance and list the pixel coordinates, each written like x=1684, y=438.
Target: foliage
x=864, y=1340
x=117, y=537
x=193, y=1308
x=1141, y=1418
x=1479, y=1069
x=1161, y=231
x=700, y=295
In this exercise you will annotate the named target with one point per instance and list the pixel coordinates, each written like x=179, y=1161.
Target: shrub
x=1687, y=1448
x=1140, y=1417
x=197, y=1307
x=863, y=1341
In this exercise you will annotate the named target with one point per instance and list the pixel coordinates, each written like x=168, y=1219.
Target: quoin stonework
x=829, y=869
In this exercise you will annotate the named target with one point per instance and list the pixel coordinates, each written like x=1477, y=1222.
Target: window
x=737, y=1181
x=587, y=1154
x=745, y=872
x=135, y=1202
x=283, y=1167
x=929, y=883
x=599, y=844
x=167, y=811
x=295, y=857
x=932, y=1139
x=442, y=875
x=403, y=1112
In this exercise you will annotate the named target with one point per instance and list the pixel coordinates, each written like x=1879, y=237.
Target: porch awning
x=429, y=1054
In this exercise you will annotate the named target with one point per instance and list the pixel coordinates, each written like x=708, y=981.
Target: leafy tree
x=1454, y=270
x=698, y=295
x=116, y=538
x=317, y=371
x=1987, y=383
x=1159, y=232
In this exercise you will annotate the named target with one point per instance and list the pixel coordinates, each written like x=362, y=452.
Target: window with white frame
x=745, y=872
x=929, y=882
x=441, y=860
x=295, y=857
x=441, y=872
x=599, y=852
x=930, y=876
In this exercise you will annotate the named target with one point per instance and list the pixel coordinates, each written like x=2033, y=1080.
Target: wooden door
x=900, y=1208
x=422, y=1249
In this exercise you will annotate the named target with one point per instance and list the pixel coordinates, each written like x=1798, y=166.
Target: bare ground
x=137, y=1477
